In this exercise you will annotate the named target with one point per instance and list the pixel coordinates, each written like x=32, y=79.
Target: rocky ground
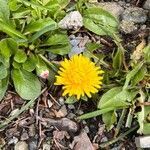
x=33, y=130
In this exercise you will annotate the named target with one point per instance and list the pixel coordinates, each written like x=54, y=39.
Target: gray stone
x=112, y=7
x=147, y=5
x=127, y=26
x=72, y=20
x=143, y=141
x=135, y=14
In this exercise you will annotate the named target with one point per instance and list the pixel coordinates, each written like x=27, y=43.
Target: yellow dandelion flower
x=79, y=76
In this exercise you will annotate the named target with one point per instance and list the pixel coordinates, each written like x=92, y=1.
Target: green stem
x=118, y=138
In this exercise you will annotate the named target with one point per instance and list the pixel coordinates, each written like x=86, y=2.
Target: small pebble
x=79, y=112
x=86, y=129
x=71, y=116
x=21, y=145
x=24, y=136
x=46, y=146
x=104, y=139
x=71, y=107
x=14, y=140
x=62, y=112
x=127, y=26
x=33, y=144
x=61, y=101
x=147, y=4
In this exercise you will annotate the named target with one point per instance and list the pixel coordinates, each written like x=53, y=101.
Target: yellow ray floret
x=79, y=76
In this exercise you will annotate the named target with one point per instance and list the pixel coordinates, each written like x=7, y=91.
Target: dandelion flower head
x=79, y=76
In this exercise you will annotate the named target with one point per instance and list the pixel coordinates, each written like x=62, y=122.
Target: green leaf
x=139, y=76
x=59, y=44
x=41, y=67
x=92, y=26
x=13, y=5
x=117, y=98
x=109, y=95
x=38, y=25
x=60, y=50
x=41, y=29
x=29, y=64
x=99, y=21
x=63, y=3
x=21, y=13
x=109, y=119
x=146, y=51
x=132, y=74
x=117, y=59
x=3, y=86
x=20, y=56
x=4, y=61
x=8, y=47
x=4, y=10
x=3, y=71
x=8, y=29
x=4, y=48
x=143, y=116
x=26, y=84
x=16, y=65
x=57, y=39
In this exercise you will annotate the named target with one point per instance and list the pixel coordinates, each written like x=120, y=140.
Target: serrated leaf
x=3, y=86
x=20, y=56
x=26, y=84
